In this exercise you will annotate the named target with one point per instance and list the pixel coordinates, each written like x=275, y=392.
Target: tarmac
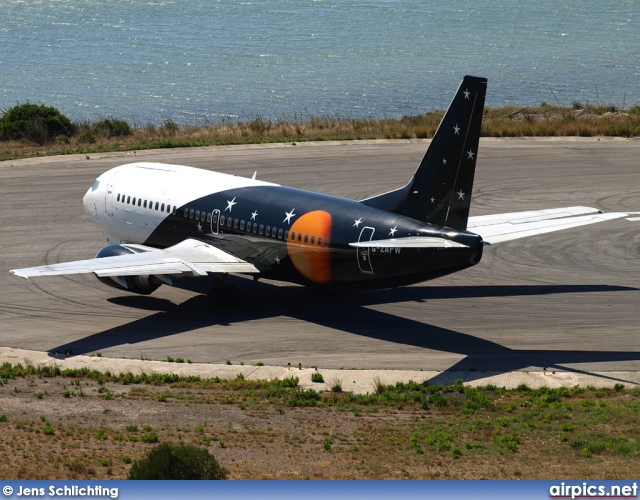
x=565, y=301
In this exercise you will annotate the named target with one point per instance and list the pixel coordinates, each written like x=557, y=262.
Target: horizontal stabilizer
x=512, y=226
x=190, y=258
x=409, y=242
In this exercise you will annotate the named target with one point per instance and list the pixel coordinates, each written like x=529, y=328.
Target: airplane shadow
x=350, y=314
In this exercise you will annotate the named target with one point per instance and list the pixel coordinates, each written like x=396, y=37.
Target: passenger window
x=157, y=206
x=203, y=216
x=191, y=213
x=255, y=227
x=229, y=222
x=222, y=220
x=293, y=236
x=326, y=243
x=145, y=204
x=128, y=200
x=319, y=242
x=299, y=237
x=134, y=201
x=197, y=214
x=261, y=231
x=139, y=201
x=175, y=209
x=313, y=240
x=286, y=235
x=118, y=198
x=161, y=208
x=280, y=233
x=235, y=223
x=273, y=232
x=186, y=213
x=242, y=225
x=267, y=230
x=208, y=217
x=306, y=239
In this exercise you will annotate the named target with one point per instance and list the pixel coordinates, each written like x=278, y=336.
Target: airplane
x=168, y=224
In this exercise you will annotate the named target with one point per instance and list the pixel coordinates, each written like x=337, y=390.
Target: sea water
x=194, y=61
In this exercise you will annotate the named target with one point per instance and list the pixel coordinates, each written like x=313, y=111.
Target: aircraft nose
x=89, y=199
x=86, y=200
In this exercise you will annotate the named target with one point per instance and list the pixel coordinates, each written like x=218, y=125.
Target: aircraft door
x=109, y=196
x=364, y=254
x=215, y=221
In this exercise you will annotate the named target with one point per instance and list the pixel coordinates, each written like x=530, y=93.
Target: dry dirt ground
x=97, y=430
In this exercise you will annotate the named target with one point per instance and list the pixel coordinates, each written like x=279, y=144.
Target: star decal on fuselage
x=199, y=226
x=466, y=94
x=433, y=200
x=230, y=204
x=460, y=195
x=470, y=153
x=393, y=231
x=456, y=130
x=444, y=161
x=287, y=219
x=356, y=223
x=254, y=214
x=278, y=260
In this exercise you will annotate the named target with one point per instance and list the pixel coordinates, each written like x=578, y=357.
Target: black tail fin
x=440, y=190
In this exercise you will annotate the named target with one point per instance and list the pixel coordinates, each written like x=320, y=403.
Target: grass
x=424, y=430
x=533, y=121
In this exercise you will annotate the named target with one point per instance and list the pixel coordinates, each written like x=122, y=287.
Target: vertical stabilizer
x=440, y=190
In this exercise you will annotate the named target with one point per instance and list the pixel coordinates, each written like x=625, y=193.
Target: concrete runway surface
x=568, y=300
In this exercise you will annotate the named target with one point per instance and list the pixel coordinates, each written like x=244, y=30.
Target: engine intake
x=143, y=285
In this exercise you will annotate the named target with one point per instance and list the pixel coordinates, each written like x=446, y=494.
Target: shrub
x=152, y=437
x=34, y=122
x=112, y=128
x=167, y=461
x=288, y=382
x=317, y=377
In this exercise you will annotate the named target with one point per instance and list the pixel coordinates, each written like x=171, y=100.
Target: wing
x=511, y=226
x=188, y=258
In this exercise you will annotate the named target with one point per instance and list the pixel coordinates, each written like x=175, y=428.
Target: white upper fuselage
x=157, y=189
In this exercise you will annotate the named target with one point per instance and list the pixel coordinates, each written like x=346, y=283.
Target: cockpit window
x=95, y=185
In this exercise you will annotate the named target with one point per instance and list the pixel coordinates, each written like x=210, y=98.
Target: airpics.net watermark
x=61, y=491
x=586, y=490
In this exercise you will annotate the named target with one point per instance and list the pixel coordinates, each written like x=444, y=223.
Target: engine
x=144, y=285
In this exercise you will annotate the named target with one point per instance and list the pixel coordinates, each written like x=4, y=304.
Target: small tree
x=34, y=122
x=168, y=461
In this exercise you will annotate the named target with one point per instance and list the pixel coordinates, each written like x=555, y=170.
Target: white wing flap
x=409, y=242
x=506, y=227
x=190, y=257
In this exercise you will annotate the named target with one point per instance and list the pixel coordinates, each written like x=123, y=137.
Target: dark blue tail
x=440, y=190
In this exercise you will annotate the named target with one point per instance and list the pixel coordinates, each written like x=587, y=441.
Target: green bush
x=168, y=461
x=34, y=122
x=112, y=128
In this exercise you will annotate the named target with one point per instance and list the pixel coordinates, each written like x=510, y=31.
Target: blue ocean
x=195, y=61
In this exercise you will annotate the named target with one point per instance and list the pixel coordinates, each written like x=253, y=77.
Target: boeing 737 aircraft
x=167, y=222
